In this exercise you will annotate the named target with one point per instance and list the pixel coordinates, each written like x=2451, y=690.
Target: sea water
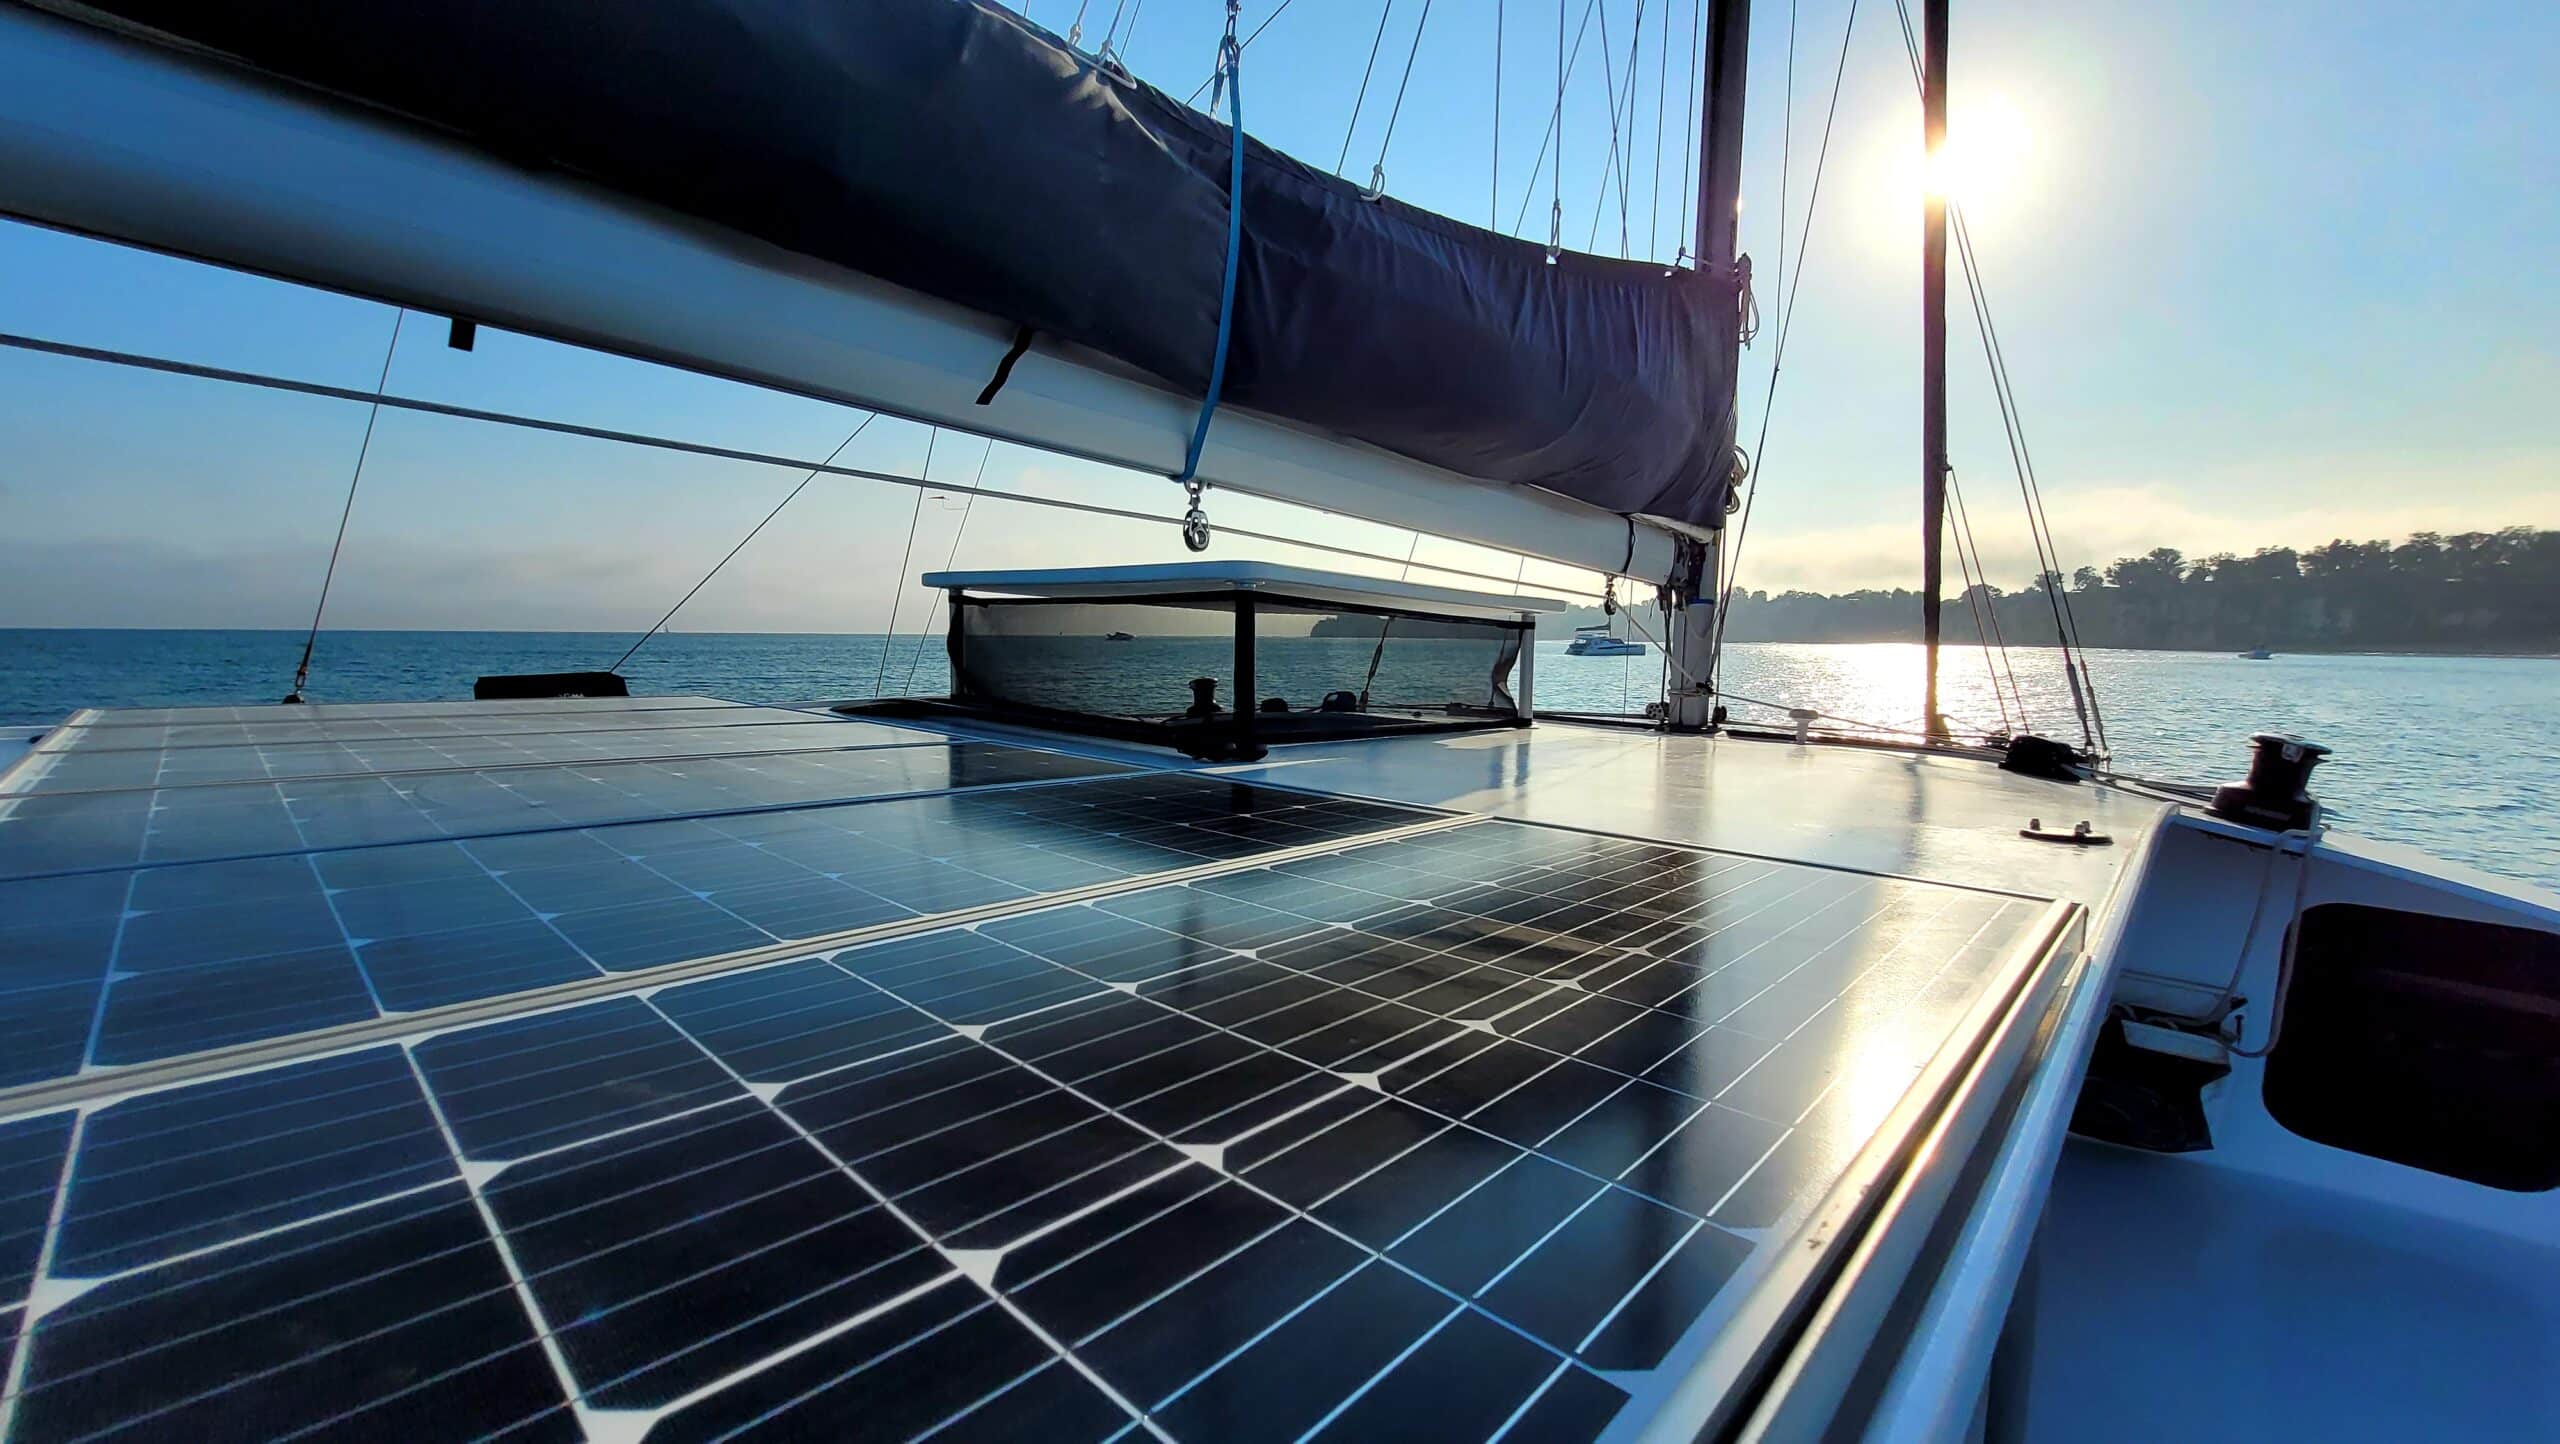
x=2456, y=755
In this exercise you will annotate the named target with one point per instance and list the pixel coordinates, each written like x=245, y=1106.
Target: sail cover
x=950, y=147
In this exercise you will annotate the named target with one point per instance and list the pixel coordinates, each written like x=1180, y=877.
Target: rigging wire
x=1689, y=135
x=1131, y=34
x=1885, y=728
x=1615, y=165
x=1554, y=123
x=1625, y=149
x=1627, y=155
x=1493, y=206
x=364, y=448
x=1384, y=10
x=1675, y=665
x=1661, y=95
x=1786, y=156
x=1378, y=173
x=1075, y=27
x=898, y=583
x=1275, y=14
x=813, y=475
x=1965, y=538
x=1793, y=288
x=1555, y=127
x=1973, y=601
x=948, y=561
x=162, y=365
x=2075, y=664
x=925, y=636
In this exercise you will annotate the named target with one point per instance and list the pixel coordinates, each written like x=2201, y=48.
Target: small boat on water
x=1118, y=637
x=1596, y=642
x=2257, y=654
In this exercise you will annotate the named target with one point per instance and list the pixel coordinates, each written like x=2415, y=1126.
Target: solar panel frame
x=1509, y=904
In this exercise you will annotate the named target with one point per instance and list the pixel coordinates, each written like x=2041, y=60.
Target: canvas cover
x=953, y=148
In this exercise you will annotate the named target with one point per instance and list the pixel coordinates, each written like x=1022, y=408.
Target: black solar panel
x=146, y=717
x=1450, y=1136
x=90, y=768
x=276, y=726
x=126, y=967
x=53, y=833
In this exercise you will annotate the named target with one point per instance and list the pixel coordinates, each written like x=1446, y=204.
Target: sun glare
x=1985, y=155
x=1990, y=165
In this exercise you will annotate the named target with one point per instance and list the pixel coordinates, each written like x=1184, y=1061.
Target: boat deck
x=671, y=1067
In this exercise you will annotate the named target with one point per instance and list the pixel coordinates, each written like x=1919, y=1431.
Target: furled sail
x=954, y=149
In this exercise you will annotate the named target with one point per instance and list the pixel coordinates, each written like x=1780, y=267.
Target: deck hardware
x=2080, y=835
x=1195, y=522
x=2276, y=794
x=2031, y=756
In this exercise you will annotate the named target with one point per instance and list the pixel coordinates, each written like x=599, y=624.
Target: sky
x=2264, y=274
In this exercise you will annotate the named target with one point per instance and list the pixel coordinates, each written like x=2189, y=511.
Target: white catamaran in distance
x=1262, y=1026
x=1595, y=641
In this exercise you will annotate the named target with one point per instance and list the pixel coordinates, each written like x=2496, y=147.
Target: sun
x=1988, y=148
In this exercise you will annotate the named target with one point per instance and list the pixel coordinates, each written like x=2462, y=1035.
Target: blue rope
x=1230, y=57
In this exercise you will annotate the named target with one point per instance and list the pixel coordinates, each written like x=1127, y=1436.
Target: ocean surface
x=2457, y=755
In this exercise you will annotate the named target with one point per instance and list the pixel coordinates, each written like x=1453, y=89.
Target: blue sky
x=2265, y=273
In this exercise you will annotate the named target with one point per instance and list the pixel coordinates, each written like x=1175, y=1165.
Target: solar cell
x=335, y=711
x=58, y=833
x=122, y=968
x=94, y=767
x=1272, y=1154
x=115, y=730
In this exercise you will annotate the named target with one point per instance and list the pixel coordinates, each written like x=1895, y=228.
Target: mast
x=1718, y=254
x=1933, y=346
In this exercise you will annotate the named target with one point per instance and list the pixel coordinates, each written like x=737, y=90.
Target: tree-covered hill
x=2476, y=592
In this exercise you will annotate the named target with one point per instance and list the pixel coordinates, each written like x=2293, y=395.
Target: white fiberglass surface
x=2176, y=1298
x=1940, y=818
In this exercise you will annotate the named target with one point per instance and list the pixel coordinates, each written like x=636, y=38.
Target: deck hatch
x=2423, y=1040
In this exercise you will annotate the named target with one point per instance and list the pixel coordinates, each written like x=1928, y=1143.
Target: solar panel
x=185, y=716
x=125, y=967
x=112, y=731
x=52, y=833
x=1459, y=1134
x=91, y=767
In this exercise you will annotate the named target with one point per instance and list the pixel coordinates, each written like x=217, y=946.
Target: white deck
x=1944, y=819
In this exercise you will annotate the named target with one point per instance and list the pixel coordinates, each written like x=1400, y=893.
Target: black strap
x=1004, y=368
